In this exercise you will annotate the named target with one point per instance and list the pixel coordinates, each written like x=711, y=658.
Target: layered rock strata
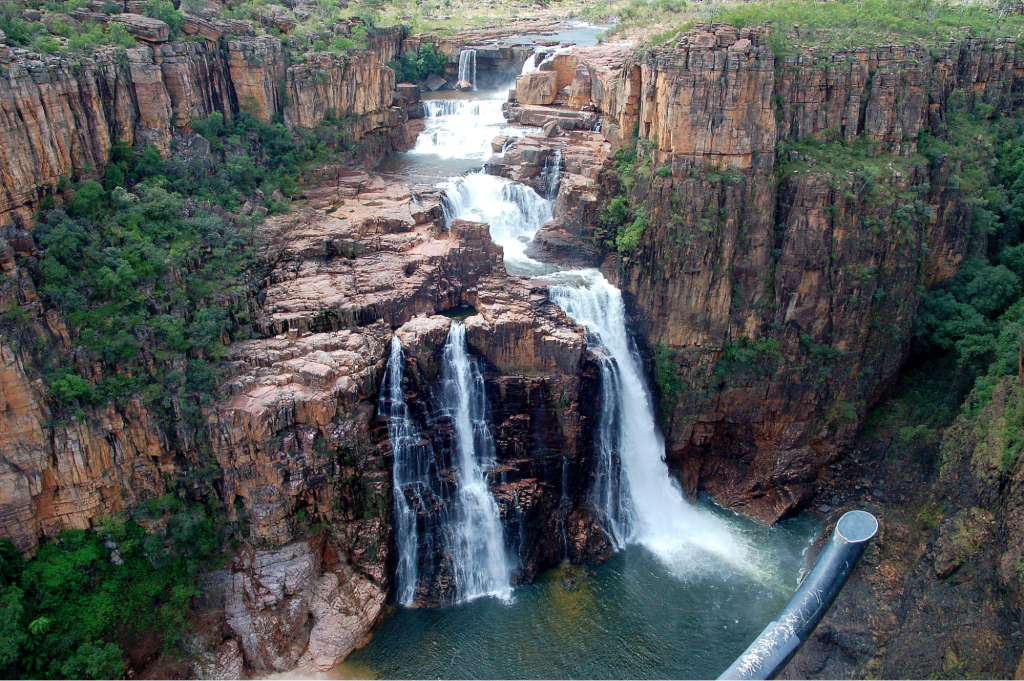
x=62, y=114
x=775, y=297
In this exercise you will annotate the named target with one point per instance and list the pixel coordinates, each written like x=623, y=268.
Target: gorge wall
x=62, y=113
x=778, y=271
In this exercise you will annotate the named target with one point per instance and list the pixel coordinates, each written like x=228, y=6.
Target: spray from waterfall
x=476, y=536
x=634, y=493
x=467, y=68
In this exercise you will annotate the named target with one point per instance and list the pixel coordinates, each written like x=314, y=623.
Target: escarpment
x=292, y=445
x=62, y=114
x=773, y=221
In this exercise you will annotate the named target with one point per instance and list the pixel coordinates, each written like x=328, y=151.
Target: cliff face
x=61, y=114
x=949, y=552
x=776, y=280
x=293, y=447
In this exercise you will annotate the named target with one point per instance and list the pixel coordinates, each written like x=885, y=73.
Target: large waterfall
x=476, y=536
x=634, y=494
x=416, y=481
x=434, y=519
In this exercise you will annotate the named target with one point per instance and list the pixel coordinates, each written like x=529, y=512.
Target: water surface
x=627, y=618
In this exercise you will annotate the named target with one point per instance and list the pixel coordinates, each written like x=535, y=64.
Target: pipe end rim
x=856, y=527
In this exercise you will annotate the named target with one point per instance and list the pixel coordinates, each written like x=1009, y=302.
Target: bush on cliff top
x=855, y=23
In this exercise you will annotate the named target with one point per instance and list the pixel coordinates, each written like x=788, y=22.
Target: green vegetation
x=165, y=11
x=838, y=24
x=91, y=597
x=976, y=321
x=622, y=224
x=151, y=280
x=749, y=355
x=413, y=67
x=853, y=23
x=139, y=275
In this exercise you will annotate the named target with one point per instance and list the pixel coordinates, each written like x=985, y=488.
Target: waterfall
x=476, y=537
x=551, y=175
x=463, y=128
x=416, y=481
x=467, y=67
x=514, y=211
x=530, y=65
x=634, y=494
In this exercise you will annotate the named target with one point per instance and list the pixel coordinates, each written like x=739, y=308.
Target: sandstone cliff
x=775, y=282
x=63, y=113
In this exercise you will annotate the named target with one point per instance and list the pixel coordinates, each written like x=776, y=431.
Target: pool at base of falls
x=627, y=618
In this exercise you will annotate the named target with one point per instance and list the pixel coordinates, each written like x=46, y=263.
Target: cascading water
x=551, y=175
x=416, y=482
x=467, y=68
x=530, y=65
x=514, y=211
x=638, y=499
x=476, y=537
x=462, y=128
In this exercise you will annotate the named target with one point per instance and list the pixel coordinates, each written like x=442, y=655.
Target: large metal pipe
x=770, y=651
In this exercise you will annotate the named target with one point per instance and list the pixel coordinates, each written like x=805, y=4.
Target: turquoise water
x=628, y=618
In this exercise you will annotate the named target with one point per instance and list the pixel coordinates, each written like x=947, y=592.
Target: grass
x=836, y=24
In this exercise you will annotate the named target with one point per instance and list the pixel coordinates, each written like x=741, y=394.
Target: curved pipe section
x=770, y=651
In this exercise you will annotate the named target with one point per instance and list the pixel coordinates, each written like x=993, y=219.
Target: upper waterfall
x=467, y=68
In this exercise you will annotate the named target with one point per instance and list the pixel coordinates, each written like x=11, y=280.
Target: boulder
x=196, y=26
x=435, y=82
x=144, y=28
x=536, y=88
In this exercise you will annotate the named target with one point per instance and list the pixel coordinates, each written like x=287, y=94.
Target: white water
x=645, y=504
x=467, y=67
x=635, y=498
x=514, y=211
x=478, y=547
x=463, y=128
x=404, y=436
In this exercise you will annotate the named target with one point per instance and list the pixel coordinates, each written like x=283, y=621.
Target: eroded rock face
x=62, y=114
x=301, y=605
x=762, y=291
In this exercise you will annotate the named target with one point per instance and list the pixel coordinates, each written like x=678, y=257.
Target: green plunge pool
x=627, y=618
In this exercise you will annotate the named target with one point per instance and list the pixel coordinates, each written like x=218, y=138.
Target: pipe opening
x=856, y=527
